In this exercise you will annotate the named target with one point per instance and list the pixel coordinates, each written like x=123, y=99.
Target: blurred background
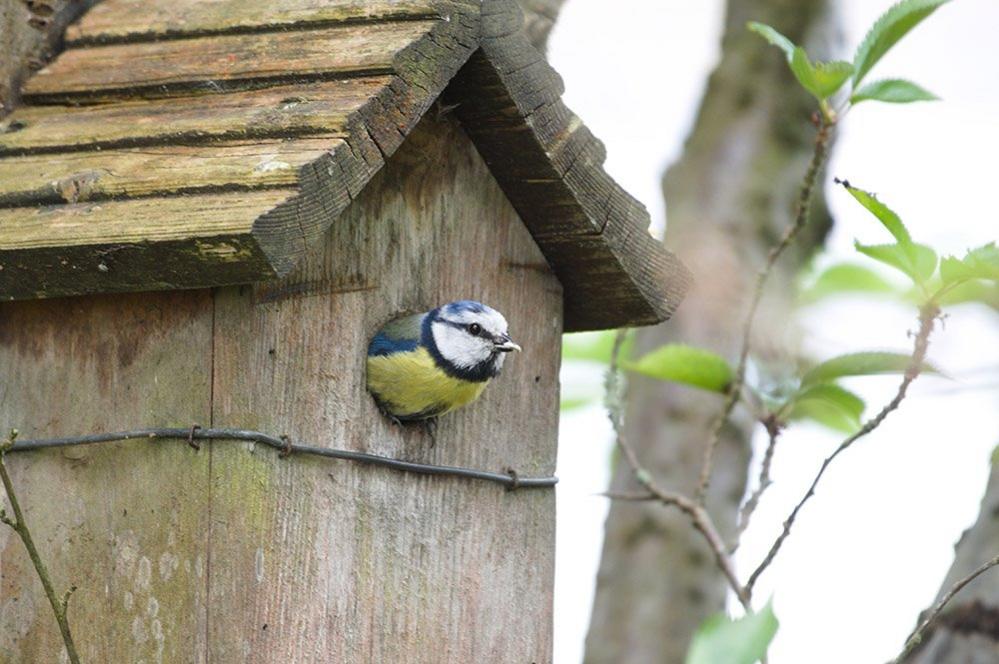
x=873, y=548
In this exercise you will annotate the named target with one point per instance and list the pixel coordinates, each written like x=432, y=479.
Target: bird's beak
x=505, y=344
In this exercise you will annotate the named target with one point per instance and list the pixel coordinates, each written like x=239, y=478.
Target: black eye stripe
x=461, y=326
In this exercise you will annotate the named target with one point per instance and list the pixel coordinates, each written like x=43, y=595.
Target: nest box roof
x=130, y=168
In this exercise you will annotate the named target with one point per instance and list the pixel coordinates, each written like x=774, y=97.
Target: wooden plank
x=280, y=112
x=143, y=244
x=157, y=171
x=30, y=33
x=611, y=278
x=125, y=523
x=225, y=61
x=345, y=563
x=551, y=167
x=115, y=21
x=128, y=222
x=279, y=237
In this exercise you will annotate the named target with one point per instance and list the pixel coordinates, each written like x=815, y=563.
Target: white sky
x=872, y=547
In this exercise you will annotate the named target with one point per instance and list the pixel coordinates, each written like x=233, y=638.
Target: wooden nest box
x=236, y=195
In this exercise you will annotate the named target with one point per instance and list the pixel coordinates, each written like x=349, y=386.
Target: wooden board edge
x=374, y=132
x=594, y=234
x=34, y=274
x=81, y=34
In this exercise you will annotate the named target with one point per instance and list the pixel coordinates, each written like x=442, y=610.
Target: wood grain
x=30, y=34
x=224, y=60
x=319, y=562
x=141, y=220
x=593, y=233
x=371, y=116
x=141, y=244
x=126, y=523
x=115, y=21
x=279, y=112
x=157, y=171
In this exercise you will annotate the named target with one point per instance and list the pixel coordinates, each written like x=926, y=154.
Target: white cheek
x=459, y=347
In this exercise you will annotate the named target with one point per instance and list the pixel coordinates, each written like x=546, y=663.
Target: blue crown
x=462, y=306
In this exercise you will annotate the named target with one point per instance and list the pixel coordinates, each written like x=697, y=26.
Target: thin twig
x=819, y=154
x=20, y=526
x=699, y=516
x=917, y=635
x=927, y=316
x=746, y=513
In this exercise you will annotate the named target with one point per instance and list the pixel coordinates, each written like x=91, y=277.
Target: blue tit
x=428, y=364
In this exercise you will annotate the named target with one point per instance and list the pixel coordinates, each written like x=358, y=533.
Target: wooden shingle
x=187, y=144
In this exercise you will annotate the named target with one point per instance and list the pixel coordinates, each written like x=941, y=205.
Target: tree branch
x=21, y=528
x=699, y=516
x=819, y=155
x=927, y=316
x=764, y=482
x=917, y=635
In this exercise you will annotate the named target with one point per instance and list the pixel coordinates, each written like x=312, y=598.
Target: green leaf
x=844, y=278
x=887, y=30
x=822, y=79
x=595, y=346
x=828, y=404
x=868, y=363
x=884, y=214
x=916, y=260
x=978, y=292
x=803, y=70
x=892, y=91
x=569, y=404
x=830, y=77
x=825, y=414
x=980, y=263
x=775, y=38
x=678, y=363
x=721, y=640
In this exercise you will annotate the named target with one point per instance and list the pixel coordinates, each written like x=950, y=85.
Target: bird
x=425, y=365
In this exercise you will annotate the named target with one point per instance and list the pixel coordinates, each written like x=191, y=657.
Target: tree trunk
x=729, y=198
x=30, y=34
x=967, y=632
x=539, y=18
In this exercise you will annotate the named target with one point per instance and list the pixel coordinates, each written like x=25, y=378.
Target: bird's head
x=470, y=338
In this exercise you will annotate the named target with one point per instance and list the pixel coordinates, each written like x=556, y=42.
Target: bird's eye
x=474, y=329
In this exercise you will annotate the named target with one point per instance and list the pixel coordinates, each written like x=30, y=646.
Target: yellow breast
x=411, y=384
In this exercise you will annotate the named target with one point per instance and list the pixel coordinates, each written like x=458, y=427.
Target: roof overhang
x=186, y=144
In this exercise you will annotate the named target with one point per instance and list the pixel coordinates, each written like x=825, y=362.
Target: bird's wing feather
x=407, y=327
x=399, y=335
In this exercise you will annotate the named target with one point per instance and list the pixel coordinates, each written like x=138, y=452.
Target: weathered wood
x=549, y=164
x=141, y=220
x=125, y=523
x=313, y=562
x=157, y=171
x=279, y=112
x=551, y=167
x=116, y=21
x=223, y=61
x=30, y=33
x=166, y=243
x=371, y=116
